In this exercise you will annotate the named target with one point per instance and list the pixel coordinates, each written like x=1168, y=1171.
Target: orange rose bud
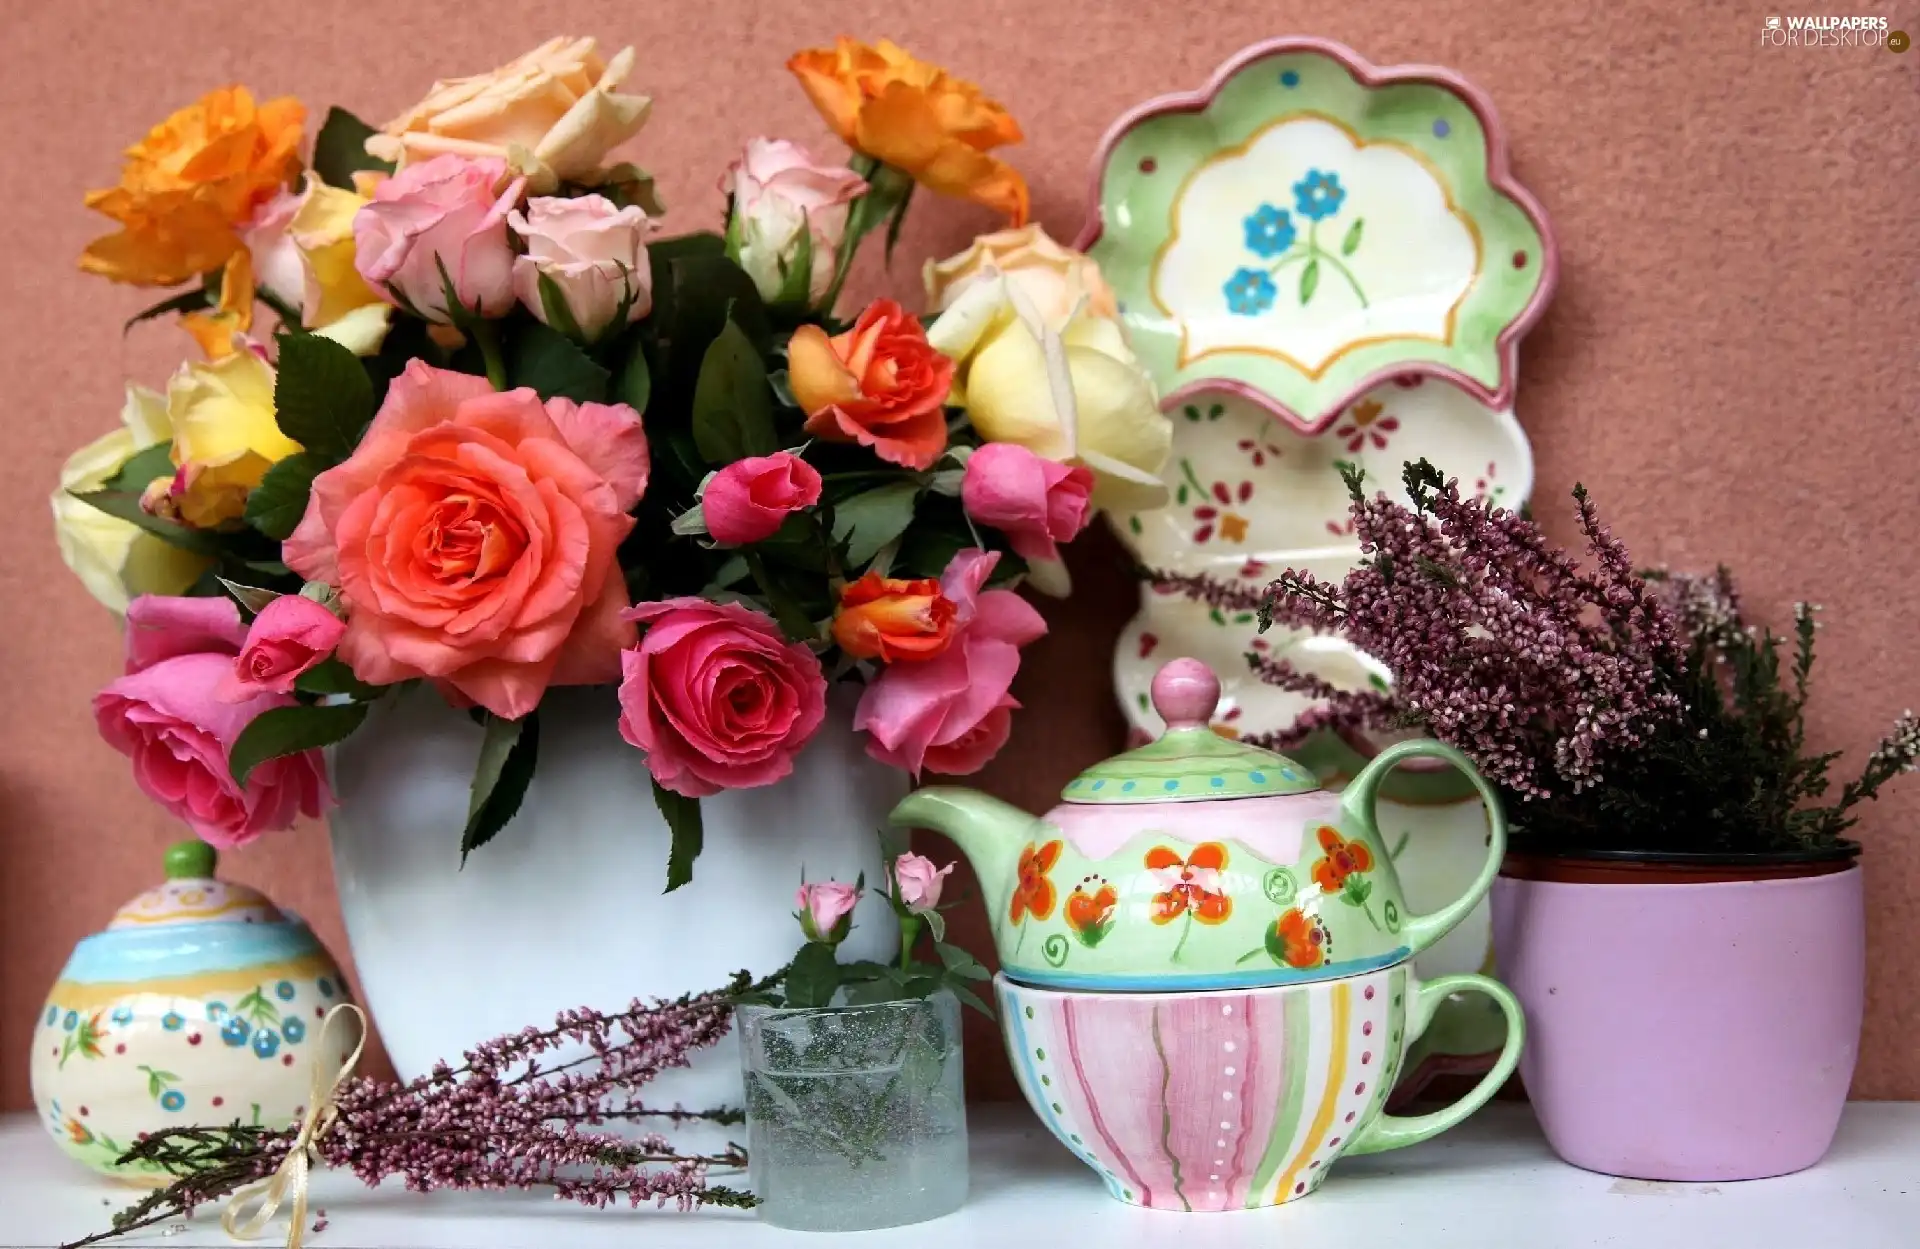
x=880, y=384
x=917, y=118
x=891, y=620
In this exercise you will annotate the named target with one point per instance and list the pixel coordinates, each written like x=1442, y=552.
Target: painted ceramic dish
x=1306, y=227
x=1197, y=862
x=200, y=1003
x=1232, y=1101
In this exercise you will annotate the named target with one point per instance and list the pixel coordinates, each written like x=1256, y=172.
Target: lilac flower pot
x=1680, y=1030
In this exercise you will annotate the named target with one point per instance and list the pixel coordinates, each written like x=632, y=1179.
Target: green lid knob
x=190, y=860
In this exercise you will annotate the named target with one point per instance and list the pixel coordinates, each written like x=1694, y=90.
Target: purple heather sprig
x=1342, y=712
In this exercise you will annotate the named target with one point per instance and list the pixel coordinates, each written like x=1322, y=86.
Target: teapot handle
x=1361, y=797
x=1398, y=1131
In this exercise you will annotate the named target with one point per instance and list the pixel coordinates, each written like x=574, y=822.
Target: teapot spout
x=989, y=832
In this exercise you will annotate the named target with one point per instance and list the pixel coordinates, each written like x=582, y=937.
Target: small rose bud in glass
x=917, y=883
x=826, y=910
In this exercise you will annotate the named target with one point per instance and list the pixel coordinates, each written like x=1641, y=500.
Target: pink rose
x=748, y=499
x=825, y=910
x=781, y=194
x=289, y=636
x=1036, y=502
x=164, y=715
x=717, y=697
x=917, y=883
x=593, y=253
x=472, y=535
x=446, y=213
x=277, y=266
x=953, y=712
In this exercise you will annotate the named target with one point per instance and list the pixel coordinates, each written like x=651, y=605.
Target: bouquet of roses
x=508, y=435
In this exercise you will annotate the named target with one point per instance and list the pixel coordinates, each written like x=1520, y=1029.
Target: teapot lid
x=1189, y=762
x=191, y=895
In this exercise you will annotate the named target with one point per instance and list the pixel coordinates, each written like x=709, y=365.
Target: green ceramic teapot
x=1197, y=862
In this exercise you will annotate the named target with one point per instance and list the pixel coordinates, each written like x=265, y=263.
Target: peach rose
x=553, y=114
x=472, y=536
x=879, y=384
x=1053, y=277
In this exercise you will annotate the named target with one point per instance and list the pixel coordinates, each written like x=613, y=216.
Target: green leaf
x=508, y=755
x=1351, y=243
x=796, y=285
x=1309, y=279
x=186, y=301
x=968, y=997
x=732, y=406
x=787, y=611
x=142, y=467
x=252, y=599
x=340, y=149
x=125, y=505
x=895, y=222
x=322, y=398
x=813, y=977
x=554, y=366
x=961, y=963
x=275, y=506
x=709, y=291
x=553, y=301
x=333, y=676
x=682, y=815
x=635, y=386
x=873, y=518
x=282, y=731
x=701, y=243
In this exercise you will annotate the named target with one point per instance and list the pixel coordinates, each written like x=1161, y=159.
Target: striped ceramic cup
x=1236, y=1099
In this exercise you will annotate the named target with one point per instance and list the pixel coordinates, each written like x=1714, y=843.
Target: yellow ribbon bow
x=291, y=1178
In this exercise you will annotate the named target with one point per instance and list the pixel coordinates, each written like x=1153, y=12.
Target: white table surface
x=1490, y=1184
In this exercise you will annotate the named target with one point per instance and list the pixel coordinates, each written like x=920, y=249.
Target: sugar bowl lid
x=1190, y=762
x=191, y=895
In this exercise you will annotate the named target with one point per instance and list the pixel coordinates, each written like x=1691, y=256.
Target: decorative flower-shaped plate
x=1307, y=226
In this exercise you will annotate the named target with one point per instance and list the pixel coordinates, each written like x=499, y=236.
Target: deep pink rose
x=917, y=883
x=716, y=696
x=746, y=501
x=451, y=212
x=1036, y=502
x=165, y=716
x=825, y=908
x=952, y=713
x=290, y=635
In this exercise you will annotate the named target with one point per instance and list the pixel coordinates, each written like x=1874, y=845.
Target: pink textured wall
x=1728, y=365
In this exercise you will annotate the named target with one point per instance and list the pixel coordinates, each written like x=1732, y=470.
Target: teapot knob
x=190, y=860
x=1185, y=692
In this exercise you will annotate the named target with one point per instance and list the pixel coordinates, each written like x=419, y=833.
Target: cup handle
x=1361, y=798
x=1396, y=1131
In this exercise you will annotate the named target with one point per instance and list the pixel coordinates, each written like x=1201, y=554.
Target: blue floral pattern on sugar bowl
x=199, y=1003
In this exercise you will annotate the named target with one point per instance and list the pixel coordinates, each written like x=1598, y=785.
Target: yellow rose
x=335, y=301
x=1072, y=393
x=115, y=559
x=1053, y=277
x=553, y=114
x=224, y=436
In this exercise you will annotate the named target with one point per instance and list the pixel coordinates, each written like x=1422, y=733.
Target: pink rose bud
x=451, y=213
x=781, y=194
x=1036, y=502
x=917, y=883
x=826, y=910
x=594, y=256
x=289, y=636
x=746, y=501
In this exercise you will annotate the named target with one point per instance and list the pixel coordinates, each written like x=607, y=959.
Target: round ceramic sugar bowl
x=200, y=1003
x=1197, y=862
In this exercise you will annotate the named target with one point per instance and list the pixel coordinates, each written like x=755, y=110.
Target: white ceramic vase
x=564, y=907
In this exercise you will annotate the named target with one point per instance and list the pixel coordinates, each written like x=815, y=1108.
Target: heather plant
x=1617, y=709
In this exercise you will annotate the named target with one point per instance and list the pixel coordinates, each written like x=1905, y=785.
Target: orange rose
x=879, y=384
x=186, y=188
x=890, y=620
x=917, y=118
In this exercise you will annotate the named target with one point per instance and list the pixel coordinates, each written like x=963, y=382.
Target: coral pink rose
x=717, y=697
x=448, y=213
x=780, y=195
x=879, y=384
x=472, y=537
x=825, y=910
x=953, y=712
x=917, y=883
x=289, y=636
x=748, y=499
x=1036, y=502
x=164, y=715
